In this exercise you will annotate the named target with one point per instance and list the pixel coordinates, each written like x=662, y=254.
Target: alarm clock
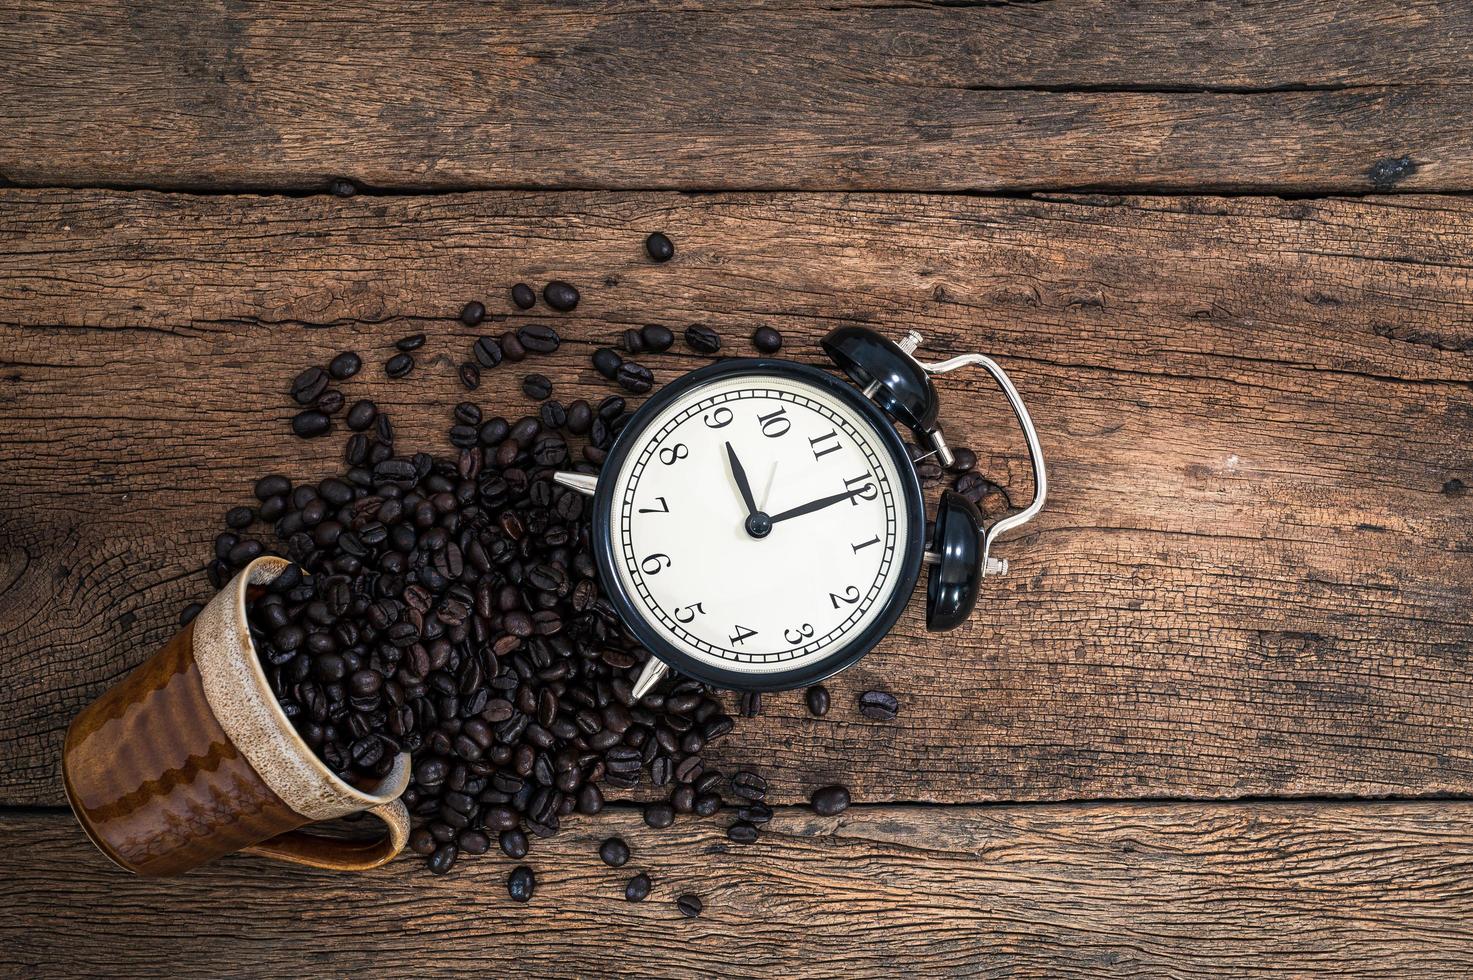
x=758, y=523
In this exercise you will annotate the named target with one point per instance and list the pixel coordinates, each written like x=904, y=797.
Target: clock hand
x=818, y=504
x=740, y=475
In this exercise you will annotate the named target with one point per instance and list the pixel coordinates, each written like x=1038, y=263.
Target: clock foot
x=654, y=670
x=585, y=483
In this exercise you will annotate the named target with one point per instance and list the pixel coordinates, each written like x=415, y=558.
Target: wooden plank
x=1299, y=95
x=1252, y=577
x=1364, y=890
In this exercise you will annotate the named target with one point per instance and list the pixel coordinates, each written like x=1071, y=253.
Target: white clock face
x=698, y=566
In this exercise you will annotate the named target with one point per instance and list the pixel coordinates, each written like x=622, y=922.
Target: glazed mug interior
x=190, y=757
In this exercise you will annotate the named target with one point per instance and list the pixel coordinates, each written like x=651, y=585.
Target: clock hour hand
x=819, y=504
x=740, y=475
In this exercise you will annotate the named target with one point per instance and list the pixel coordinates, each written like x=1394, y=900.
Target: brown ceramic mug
x=189, y=758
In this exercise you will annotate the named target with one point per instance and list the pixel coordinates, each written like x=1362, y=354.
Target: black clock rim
x=910, y=559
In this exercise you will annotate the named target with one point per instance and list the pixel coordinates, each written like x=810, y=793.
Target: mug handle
x=333, y=854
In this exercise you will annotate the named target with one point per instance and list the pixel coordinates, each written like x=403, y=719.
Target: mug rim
x=262, y=690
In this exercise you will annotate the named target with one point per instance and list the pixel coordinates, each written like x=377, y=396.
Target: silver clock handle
x=1035, y=452
x=584, y=483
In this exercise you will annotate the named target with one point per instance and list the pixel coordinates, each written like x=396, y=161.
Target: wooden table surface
x=1215, y=721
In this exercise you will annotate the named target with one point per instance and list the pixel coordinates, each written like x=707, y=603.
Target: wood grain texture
x=1363, y=890
x=1296, y=95
x=1252, y=577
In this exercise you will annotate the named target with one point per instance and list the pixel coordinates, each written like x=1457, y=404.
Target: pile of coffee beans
x=448, y=606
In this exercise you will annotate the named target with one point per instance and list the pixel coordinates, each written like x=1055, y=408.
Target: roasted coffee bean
x=706, y=804
x=553, y=415
x=330, y=402
x=342, y=187
x=345, y=365
x=689, y=906
x=474, y=842
x=521, y=883
x=632, y=341
x=399, y=365
x=310, y=424
x=742, y=832
x=413, y=342
x=422, y=842
x=487, y=351
x=751, y=704
x=702, y=339
x=579, y=418
x=537, y=387
x=879, y=705
x=443, y=859
x=656, y=339
x=308, y=385
x=638, y=888
x=606, y=362
x=513, y=844
x=767, y=340
x=189, y=612
x=472, y=313
x=658, y=247
x=758, y=813
x=614, y=852
x=659, y=815
x=829, y=801
x=239, y=518
x=470, y=375
x=748, y=785
x=272, y=486
x=634, y=377
x=818, y=700
x=523, y=296
x=362, y=415
x=511, y=348
x=560, y=295
x=539, y=338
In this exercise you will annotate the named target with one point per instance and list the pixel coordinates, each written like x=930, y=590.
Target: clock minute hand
x=818, y=504
x=740, y=475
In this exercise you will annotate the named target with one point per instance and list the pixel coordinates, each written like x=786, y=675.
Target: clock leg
x=654, y=669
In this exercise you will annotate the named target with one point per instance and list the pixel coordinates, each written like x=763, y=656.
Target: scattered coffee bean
x=748, y=785
x=634, y=377
x=560, y=295
x=470, y=375
x=879, y=705
x=829, y=801
x=511, y=348
x=486, y=351
x=513, y=844
x=660, y=248
x=702, y=339
x=308, y=385
x=443, y=859
x=742, y=832
x=751, y=704
x=521, y=883
x=767, y=340
x=818, y=700
x=632, y=341
x=689, y=905
x=345, y=365
x=413, y=342
x=614, y=852
x=537, y=387
x=659, y=815
x=399, y=365
x=523, y=296
x=964, y=462
x=239, y=518
x=638, y=888
x=656, y=339
x=330, y=402
x=311, y=423
x=757, y=813
x=539, y=338
x=472, y=313
x=190, y=611
x=580, y=417
x=606, y=362
x=342, y=188
x=362, y=415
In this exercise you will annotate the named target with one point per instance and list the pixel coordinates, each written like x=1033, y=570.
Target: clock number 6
x=655, y=564
x=850, y=595
x=670, y=454
x=800, y=634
